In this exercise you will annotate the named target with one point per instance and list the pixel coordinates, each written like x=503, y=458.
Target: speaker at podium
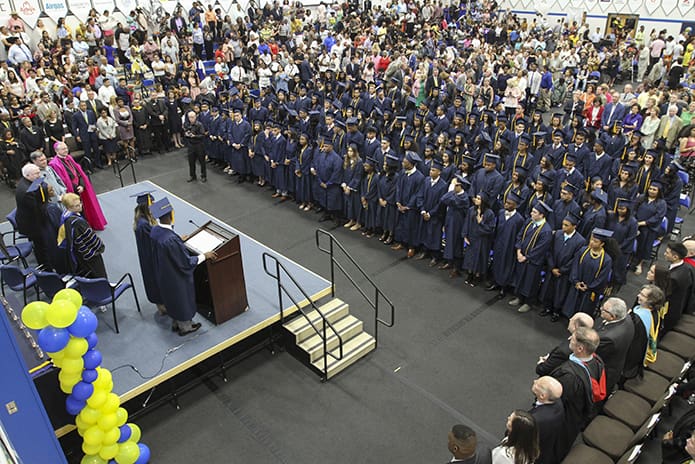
x=220, y=289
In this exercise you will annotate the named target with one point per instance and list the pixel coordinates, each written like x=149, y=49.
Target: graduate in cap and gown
x=595, y=214
x=488, y=180
x=369, y=197
x=175, y=266
x=386, y=191
x=408, y=202
x=509, y=223
x=432, y=214
x=623, y=186
x=599, y=163
x=302, y=173
x=276, y=159
x=142, y=225
x=566, y=244
x=327, y=171
x=589, y=275
x=478, y=232
x=649, y=212
x=457, y=202
x=352, y=178
x=239, y=137
x=532, y=245
x=257, y=153
x=564, y=205
x=624, y=226
x=569, y=173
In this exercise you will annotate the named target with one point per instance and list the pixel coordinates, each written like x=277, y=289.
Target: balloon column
x=67, y=335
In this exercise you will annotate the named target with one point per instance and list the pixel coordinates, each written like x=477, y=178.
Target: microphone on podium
x=191, y=221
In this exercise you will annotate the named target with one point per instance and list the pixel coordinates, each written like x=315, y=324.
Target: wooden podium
x=220, y=289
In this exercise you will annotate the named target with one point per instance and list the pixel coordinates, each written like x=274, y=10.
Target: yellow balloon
x=34, y=315
x=66, y=388
x=122, y=416
x=69, y=294
x=109, y=451
x=97, y=400
x=135, y=433
x=111, y=404
x=80, y=423
x=89, y=415
x=128, y=453
x=92, y=459
x=69, y=378
x=76, y=347
x=61, y=313
x=93, y=436
x=107, y=421
x=104, y=378
x=111, y=436
x=91, y=449
x=74, y=365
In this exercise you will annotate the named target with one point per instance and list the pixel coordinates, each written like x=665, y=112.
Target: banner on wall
x=591, y=5
x=685, y=6
x=126, y=6
x=577, y=5
x=619, y=4
x=80, y=8
x=170, y=5
x=29, y=11
x=5, y=10
x=563, y=4
x=669, y=6
x=104, y=5
x=651, y=5
x=55, y=9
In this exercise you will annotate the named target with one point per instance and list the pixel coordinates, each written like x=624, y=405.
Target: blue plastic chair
x=100, y=292
x=50, y=283
x=657, y=242
x=12, y=219
x=684, y=201
x=19, y=251
x=18, y=279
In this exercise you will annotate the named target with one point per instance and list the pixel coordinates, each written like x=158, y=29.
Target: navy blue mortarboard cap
x=625, y=202
x=378, y=111
x=502, y=118
x=545, y=179
x=371, y=129
x=314, y=113
x=573, y=189
x=525, y=138
x=463, y=181
x=161, y=208
x=600, y=195
x=292, y=113
x=676, y=165
x=413, y=157
x=543, y=208
x=371, y=161
x=558, y=133
x=521, y=170
x=233, y=91
x=352, y=121
x=469, y=159
x=412, y=100
x=572, y=218
x=430, y=146
x=408, y=138
x=657, y=184
x=340, y=124
x=437, y=164
x=485, y=136
x=570, y=157
x=392, y=160
x=491, y=157
x=337, y=104
x=513, y=196
x=400, y=118
x=602, y=234
x=144, y=197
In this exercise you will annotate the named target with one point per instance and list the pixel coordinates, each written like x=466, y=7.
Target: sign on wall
x=103, y=5
x=29, y=11
x=651, y=5
x=55, y=9
x=685, y=6
x=80, y=8
x=126, y=6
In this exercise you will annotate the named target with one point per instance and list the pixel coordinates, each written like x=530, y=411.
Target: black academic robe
x=550, y=419
x=555, y=288
x=682, y=280
x=616, y=338
x=409, y=194
x=430, y=232
x=175, y=267
x=503, y=254
x=534, y=243
x=480, y=236
x=145, y=249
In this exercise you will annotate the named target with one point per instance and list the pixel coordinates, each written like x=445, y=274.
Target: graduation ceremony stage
x=146, y=340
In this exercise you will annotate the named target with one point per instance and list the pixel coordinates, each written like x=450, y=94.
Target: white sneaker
x=524, y=308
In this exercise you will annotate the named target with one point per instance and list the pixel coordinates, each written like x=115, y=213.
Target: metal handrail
x=378, y=294
x=324, y=322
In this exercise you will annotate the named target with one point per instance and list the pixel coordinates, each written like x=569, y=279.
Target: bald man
x=463, y=445
x=549, y=413
x=561, y=353
x=690, y=246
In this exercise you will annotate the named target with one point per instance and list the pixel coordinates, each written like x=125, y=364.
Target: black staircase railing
x=334, y=244
x=325, y=323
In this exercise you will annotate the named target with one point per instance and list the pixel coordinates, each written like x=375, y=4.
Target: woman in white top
x=520, y=446
x=649, y=127
x=106, y=132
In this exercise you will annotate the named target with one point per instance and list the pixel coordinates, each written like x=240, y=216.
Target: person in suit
x=175, y=266
x=549, y=413
x=85, y=124
x=464, y=447
x=613, y=112
x=32, y=197
x=682, y=280
x=616, y=331
x=561, y=353
x=669, y=127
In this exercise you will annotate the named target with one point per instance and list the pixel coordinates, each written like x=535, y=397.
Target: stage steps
x=307, y=345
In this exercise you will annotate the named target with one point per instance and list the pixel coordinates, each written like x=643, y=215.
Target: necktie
x=610, y=116
x=667, y=127
x=85, y=117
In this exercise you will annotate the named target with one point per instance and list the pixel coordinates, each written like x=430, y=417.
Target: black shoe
x=191, y=179
x=545, y=312
x=501, y=294
x=388, y=241
x=194, y=327
x=204, y=179
x=325, y=217
x=492, y=288
x=554, y=317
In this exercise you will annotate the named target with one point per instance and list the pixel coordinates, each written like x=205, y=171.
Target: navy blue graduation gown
x=145, y=249
x=329, y=170
x=352, y=178
x=594, y=272
x=430, y=232
x=212, y=147
x=369, y=196
x=448, y=173
x=239, y=133
x=563, y=178
x=302, y=174
x=653, y=213
x=174, y=276
x=591, y=219
x=479, y=235
x=491, y=183
x=560, y=210
x=409, y=194
x=616, y=191
x=625, y=233
x=672, y=199
x=534, y=245
x=598, y=167
x=456, y=209
x=277, y=162
x=386, y=191
x=503, y=253
x=258, y=163
x=555, y=288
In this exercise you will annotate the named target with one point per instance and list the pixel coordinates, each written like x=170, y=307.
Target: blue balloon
x=52, y=339
x=85, y=323
x=74, y=405
x=92, y=340
x=82, y=390
x=89, y=375
x=125, y=433
x=92, y=359
x=144, y=457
